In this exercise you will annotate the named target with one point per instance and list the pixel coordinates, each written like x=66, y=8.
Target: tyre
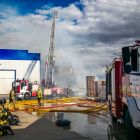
x=125, y=108
x=26, y=96
x=54, y=94
x=113, y=118
x=129, y=128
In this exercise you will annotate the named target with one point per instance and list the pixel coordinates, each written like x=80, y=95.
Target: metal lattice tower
x=31, y=67
x=50, y=62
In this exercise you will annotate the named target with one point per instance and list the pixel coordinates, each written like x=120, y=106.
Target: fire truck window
x=24, y=83
x=134, y=60
x=107, y=87
x=13, y=84
x=110, y=84
x=17, y=84
x=139, y=57
x=21, y=85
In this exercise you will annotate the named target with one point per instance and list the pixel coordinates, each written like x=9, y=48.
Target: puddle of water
x=89, y=125
x=94, y=127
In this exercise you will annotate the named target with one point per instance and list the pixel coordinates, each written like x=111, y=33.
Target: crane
x=50, y=62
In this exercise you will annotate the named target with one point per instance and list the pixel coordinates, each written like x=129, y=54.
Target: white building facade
x=13, y=65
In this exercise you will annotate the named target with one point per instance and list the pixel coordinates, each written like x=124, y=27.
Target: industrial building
x=14, y=64
x=64, y=76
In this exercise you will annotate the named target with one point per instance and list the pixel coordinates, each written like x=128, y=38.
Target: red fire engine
x=49, y=89
x=123, y=90
x=25, y=89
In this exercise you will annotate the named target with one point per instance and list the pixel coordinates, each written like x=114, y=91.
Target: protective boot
x=16, y=108
x=12, y=133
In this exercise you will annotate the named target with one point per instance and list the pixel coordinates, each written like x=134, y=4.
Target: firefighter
x=12, y=98
x=39, y=96
x=68, y=91
x=3, y=123
x=2, y=103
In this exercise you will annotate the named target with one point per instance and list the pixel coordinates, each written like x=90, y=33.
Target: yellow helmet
x=5, y=113
x=4, y=122
x=1, y=122
x=38, y=88
x=1, y=133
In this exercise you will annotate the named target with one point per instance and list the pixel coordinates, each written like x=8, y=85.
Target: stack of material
x=103, y=83
x=99, y=87
x=90, y=85
x=94, y=88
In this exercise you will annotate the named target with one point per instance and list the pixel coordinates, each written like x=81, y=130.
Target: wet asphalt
x=82, y=127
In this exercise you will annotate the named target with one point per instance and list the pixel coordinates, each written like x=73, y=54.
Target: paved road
x=43, y=129
x=83, y=126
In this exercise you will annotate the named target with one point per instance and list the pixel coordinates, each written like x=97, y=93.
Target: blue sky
x=29, y=6
x=87, y=34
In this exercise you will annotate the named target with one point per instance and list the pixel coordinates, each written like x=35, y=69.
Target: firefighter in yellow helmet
x=3, y=123
x=12, y=98
x=39, y=96
x=68, y=91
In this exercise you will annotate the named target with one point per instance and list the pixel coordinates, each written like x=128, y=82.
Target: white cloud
x=2, y=14
x=100, y=30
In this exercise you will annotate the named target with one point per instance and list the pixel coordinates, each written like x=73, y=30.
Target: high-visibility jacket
x=68, y=89
x=1, y=111
x=12, y=95
x=39, y=94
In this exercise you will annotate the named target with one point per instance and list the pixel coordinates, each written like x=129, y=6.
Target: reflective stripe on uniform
x=39, y=94
x=68, y=89
x=1, y=114
x=12, y=94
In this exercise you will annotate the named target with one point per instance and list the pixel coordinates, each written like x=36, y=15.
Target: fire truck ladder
x=51, y=49
x=31, y=67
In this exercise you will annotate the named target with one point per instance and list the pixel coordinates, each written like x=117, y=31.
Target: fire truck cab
x=25, y=89
x=123, y=90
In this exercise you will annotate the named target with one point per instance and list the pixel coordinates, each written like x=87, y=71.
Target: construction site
x=54, y=108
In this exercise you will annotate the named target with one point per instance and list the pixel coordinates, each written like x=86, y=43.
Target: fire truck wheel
x=125, y=108
x=114, y=119
x=54, y=93
x=129, y=128
x=26, y=96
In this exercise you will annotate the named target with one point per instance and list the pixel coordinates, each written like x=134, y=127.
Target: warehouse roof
x=10, y=54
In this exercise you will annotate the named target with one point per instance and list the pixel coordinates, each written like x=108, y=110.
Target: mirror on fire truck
x=126, y=55
x=126, y=59
x=13, y=84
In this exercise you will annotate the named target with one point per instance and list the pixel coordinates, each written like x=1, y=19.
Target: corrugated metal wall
x=19, y=60
x=21, y=66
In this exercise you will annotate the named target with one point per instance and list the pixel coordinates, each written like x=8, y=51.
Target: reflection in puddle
x=91, y=126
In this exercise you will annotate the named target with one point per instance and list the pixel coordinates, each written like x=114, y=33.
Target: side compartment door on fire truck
x=108, y=85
